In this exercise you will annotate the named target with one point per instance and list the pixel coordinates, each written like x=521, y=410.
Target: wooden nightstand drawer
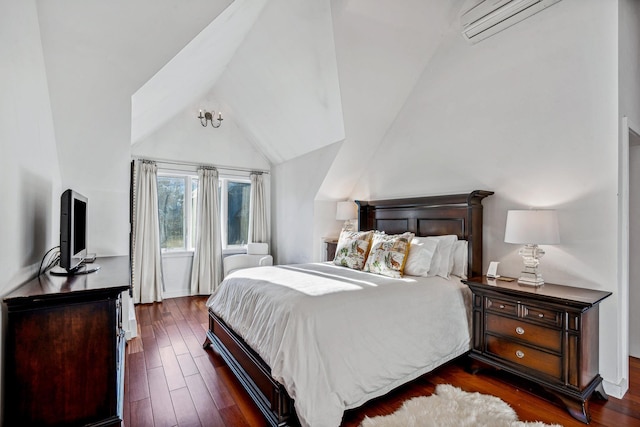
x=525, y=332
x=542, y=315
x=502, y=306
x=529, y=357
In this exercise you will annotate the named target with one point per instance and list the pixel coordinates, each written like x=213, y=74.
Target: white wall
x=518, y=114
x=629, y=84
x=282, y=81
x=629, y=59
x=381, y=52
x=629, y=116
x=532, y=114
x=97, y=55
x=294, y=185
x=29, y=173
x=183, y=138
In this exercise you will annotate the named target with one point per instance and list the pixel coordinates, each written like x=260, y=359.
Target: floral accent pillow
x=388, y=254
x=352, y=249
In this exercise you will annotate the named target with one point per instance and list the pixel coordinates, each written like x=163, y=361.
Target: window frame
x=224, y=209
x=189, y=245
x=188, y=214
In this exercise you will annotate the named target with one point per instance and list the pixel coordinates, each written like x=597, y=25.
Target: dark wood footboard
x=254, y=374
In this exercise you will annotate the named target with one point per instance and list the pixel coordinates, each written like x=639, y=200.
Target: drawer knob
x=519, y=354
x=519, y=330
x=541, y=315
x=501, y=306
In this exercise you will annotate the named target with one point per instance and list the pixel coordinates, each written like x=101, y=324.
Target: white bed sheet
x=336, y=337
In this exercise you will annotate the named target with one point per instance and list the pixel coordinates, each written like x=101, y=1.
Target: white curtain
x=258, y=221
x=206, y=271
x=147, y=263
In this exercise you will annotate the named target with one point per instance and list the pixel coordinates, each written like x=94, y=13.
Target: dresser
x=547, y=334
x=64, y=349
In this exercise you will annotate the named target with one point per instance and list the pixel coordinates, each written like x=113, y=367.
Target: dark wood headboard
x=459, y=214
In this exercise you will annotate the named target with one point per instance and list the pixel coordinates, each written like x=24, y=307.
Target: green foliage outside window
x=239, y=194
x=177, y=211
x=171, y=212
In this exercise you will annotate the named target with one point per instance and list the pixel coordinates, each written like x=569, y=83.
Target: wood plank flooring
x=171, y=381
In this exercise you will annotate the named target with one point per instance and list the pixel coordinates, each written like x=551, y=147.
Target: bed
x=297, y=368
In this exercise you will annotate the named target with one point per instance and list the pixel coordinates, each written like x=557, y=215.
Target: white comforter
x=336, y=337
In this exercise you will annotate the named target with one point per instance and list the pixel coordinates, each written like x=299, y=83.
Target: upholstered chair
x=257, y=255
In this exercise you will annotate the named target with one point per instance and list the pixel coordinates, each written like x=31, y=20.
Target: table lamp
x=532, y=228
x=347, y=211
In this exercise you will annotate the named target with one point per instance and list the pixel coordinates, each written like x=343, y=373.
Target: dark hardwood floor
x=171, y=381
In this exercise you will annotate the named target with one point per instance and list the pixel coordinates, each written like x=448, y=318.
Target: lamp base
x=531, y=279
x=348, y=226
x=531, y=255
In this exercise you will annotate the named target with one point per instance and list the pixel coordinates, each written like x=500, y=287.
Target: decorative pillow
x=388, y=254
x=435, y=260
x=443, y=258
x=420, y=256
x=352, y=249
x=460, y=259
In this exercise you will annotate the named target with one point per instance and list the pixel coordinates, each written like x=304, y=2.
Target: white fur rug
x=450, y=406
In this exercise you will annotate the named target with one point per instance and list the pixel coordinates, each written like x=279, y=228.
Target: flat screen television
x=73, y=234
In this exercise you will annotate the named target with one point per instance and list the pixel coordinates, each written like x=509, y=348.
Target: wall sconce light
x=208, y=118
x=531, y=228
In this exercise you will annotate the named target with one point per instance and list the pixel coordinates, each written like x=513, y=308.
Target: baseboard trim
x=176, y=293
x=616, y=390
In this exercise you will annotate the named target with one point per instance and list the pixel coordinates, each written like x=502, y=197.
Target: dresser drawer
x=502, y=306
x=523, y=355
x=525, y=332
x=543, y=316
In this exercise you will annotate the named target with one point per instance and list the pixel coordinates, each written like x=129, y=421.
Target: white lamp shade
x=538, y=227
x=346, y=211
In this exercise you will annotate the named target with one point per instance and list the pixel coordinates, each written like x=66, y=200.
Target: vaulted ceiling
x=295, y=75
x=272, y=64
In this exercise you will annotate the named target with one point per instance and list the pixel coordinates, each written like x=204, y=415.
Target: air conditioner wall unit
x=485, y=18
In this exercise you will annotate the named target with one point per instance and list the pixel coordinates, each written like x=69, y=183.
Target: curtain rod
x=185, y=163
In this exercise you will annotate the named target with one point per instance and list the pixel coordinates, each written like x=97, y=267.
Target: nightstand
x=547, y=334
x=332, y=244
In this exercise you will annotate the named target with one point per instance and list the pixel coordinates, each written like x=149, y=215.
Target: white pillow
x=443, y=258
x=420, y=257
x=435, y=261
x=460, y=258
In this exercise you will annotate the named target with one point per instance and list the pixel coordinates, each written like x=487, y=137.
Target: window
x=235, y=195
x=194, y=210
x=177, y=211
x=177, y=218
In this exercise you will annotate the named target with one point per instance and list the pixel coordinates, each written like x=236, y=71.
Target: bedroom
x=551, y=91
